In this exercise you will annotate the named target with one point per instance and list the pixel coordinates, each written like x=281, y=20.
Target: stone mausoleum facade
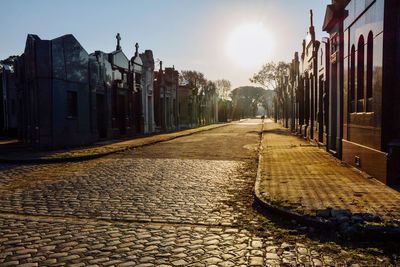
x=71, y=98
x=346, y=86
x=57, y=95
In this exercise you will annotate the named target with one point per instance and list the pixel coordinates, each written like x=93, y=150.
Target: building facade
x=147, y=91
x=323, y=94
x=166, y=86
x=70, y=98
x=371, y=97
x=346, y=96
x=56, y=95
x=333, y=25
x=53, y=84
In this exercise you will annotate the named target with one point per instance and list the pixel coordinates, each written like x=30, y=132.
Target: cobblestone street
x=184, y=202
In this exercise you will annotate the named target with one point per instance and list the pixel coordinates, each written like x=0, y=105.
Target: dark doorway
x=101, y=116
x=138, y=116
x=168, y=113
x=121, y=114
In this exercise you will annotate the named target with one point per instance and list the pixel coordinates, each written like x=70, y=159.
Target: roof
x=334, y=13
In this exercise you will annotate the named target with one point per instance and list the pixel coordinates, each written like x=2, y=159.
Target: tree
x=8, y=61
x=267, y=102
x=209, y=101
x=201, y=88
x=223, y=88
x=195, y=79
x=246, y=100
x=272, y=76
x=210, y=88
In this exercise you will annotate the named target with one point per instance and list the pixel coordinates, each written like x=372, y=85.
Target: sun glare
x=249, y=45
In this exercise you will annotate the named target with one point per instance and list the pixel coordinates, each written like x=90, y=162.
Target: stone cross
x=118, y=37
x=137, y=49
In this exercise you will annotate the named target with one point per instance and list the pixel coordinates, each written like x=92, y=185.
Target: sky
x=224, y=39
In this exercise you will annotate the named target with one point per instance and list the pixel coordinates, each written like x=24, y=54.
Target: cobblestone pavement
x=12, y=151
x=186, y=202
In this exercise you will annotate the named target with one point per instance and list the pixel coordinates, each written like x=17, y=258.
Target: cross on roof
x=137, y=49
x=118, y=37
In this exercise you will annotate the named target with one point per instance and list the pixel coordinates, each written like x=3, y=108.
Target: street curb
x=102, y=154
x=275, y=208
x=364, y=232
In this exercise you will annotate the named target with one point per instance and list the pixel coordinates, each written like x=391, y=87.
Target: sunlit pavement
x=308, y=179
x=185, y=202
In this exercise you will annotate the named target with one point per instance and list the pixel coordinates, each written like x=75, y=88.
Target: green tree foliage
x=267, y=101
x=210, y=88
x=271, y=74
x=204, y=95
x=195, y=79
x=246, y=100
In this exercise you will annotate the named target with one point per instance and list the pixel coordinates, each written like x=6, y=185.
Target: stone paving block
x=185, y=200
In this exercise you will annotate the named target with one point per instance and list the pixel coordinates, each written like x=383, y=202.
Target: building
x=166, y=86
x=333, y=25
x=100, y=83
x=9, y=101
x=59, y=96
x=346, y=92
x=323, y=93
x=310, y=79
x=371, y=123
x=142, y=66
x=147, y=91
x=53, y=84
x=124, y=114
x=70, y=98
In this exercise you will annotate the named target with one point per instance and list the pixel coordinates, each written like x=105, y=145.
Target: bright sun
x=249, y=45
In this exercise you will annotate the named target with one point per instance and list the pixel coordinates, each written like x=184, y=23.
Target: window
x=360, y=74
x=138, y=81
x=13, y=107
x=370, y=53
x=352, y=79
x=72, y=104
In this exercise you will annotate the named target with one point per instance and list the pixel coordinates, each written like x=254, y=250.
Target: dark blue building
x=70, y=98
x=54, y=90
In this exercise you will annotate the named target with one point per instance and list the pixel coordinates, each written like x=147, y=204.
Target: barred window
x=72, y=104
